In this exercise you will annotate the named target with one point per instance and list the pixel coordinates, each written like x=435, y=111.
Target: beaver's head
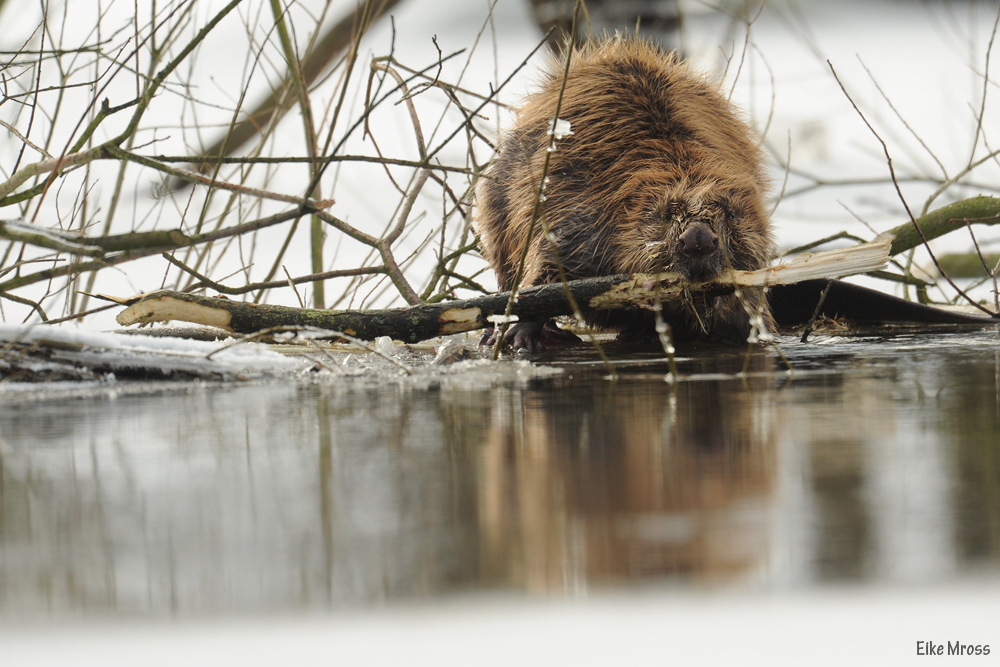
x=709, y=227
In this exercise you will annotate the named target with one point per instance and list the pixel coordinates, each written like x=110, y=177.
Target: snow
x=117, y=352
x=854, y=627
x=65, y=353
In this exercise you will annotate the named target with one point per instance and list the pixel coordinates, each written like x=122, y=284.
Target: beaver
x=657, y=172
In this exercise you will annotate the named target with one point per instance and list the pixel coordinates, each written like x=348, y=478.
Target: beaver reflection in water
x=659, y=174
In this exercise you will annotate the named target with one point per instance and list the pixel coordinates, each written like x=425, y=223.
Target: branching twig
x=989, y=272
x=906, y=206
x=25, y=302
x=205, y=281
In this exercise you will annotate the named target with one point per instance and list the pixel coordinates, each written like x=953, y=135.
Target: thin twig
x=25, y=302
x=321, y=159
x=991, y=273
x=816, y=312
x=901, y=119
x=384, y=245
x=205, y=281
x=986, y=81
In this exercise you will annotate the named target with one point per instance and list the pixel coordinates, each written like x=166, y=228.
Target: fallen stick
x=425, y=321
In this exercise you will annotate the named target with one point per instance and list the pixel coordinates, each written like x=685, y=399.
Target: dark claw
x=532, y=336
x=489, y=336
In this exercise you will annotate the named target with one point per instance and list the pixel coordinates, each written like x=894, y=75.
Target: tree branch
x=424, y=321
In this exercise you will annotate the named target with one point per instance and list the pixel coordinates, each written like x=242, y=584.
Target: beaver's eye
x=670, y=210
x=729, y=213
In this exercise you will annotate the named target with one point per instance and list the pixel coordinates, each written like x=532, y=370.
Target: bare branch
x=906, y=206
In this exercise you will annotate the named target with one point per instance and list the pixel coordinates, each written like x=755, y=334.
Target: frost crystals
x=559, y=129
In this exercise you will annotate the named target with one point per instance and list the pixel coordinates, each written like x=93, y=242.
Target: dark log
x=413, y=323
x=423, y=321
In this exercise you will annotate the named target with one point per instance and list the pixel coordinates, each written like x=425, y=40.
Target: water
x=874, y=463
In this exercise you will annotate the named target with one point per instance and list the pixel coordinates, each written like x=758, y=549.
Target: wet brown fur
x=655, y=147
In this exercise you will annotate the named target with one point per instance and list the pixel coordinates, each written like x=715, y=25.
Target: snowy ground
x=846, y=627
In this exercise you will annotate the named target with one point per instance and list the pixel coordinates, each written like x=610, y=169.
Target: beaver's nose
x=698, y=240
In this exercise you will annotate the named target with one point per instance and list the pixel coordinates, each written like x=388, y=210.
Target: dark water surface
x=875, y=462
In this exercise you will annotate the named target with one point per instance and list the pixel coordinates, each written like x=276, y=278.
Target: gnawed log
x=425, y=321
